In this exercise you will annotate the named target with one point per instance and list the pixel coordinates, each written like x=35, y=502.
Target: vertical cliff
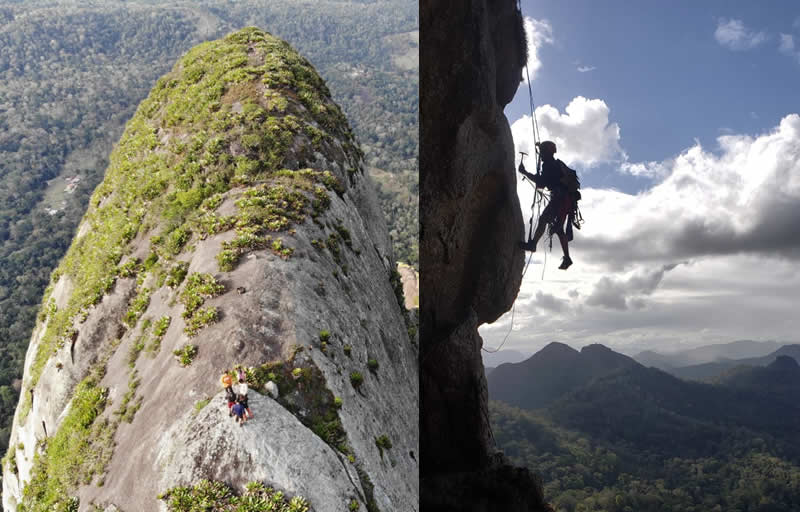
x=235, y=225
x=472, y=58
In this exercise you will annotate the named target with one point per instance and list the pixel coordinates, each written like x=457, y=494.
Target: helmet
x=547, y=146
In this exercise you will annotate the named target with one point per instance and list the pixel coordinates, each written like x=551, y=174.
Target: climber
x=231, y=397
x=238, y=411
x=241, y=393
x=240, y=372
x=227, y=383
x=563, y=199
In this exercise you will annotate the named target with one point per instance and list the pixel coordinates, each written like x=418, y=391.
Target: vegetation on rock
x=218, y=496
x=63, y=117
x=231, y=121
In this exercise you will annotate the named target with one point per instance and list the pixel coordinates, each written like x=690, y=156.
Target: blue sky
x=663, y=74
x=683, y=121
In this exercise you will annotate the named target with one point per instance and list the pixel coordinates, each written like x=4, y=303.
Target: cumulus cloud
x=583, y=134
x=744, y=198
x=788, y=47
x=622, y=293
x=550, y=302
x=646, y=169
x=537, y=33
x=729, y=214
x=734, y=35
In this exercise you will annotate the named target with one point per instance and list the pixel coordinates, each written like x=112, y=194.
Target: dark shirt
x=238, y=409
x=550, y=176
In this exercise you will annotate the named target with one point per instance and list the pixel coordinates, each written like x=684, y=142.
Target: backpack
x=569, y=178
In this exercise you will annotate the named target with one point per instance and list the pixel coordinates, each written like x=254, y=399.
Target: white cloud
x=583, y=134
x=586, y=69
x=734, y=35
x=731, y=213
x=646, y=169
x=537, y=33
x=787, y=44
x=744, y=198
x=622, y=293
x=788, y=47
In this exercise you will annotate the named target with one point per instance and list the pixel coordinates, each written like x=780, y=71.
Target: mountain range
x=740, y=349
x=609, y=433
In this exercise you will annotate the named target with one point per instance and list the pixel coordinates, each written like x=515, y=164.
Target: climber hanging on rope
x=564, y=194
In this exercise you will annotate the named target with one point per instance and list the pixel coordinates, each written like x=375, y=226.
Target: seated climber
x=563, y=199
x=227, y=383
x=241, y=392
x=231, y=397
x=238, y=411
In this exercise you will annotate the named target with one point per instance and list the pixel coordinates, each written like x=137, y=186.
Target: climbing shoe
x=565, y=263
x=528, y=246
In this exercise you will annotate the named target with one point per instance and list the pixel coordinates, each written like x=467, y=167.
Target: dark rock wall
x=472, y=54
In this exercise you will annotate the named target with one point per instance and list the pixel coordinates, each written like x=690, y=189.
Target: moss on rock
x=243, y=121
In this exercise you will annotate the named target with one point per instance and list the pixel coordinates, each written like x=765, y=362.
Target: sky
x=683, y=122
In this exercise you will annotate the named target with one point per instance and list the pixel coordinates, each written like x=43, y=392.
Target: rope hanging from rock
x=538, y=195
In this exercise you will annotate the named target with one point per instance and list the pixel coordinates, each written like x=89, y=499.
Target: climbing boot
x=565, y=263
x=528, y=246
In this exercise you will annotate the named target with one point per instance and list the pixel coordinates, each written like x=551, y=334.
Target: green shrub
x=150, y=261
x=372, y=364
x=159, y=329
x=129, y=269
x=186, y=354
x=348, y=349
x=354, y=505
x=137, y=307
x=356, y=379
x=176, y=274
x=227, y=259
x=210, y=496
x=383, y=443
x=324, y=336
x=161, y=326
x=337, y=402
x=201, y=318
x=201, y=404
x=176, y=240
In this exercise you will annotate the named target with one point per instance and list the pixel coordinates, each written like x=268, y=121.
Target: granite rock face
x=235, y=225
x=470, y=226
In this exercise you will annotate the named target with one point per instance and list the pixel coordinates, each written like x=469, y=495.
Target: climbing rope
x=538, y=197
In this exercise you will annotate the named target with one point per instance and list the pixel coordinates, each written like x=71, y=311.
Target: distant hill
x=706, y=354
x=495, y=359
x=708, y=371
x=655, y=411
x=641, y=439
x=781, y=376
x=550, y=373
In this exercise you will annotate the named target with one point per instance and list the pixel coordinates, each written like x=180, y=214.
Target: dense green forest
x=72, y=73
x=641, y=440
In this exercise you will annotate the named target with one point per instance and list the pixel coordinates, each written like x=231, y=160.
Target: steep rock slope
x=470, y=223
x=553, y=371
x=235, y=225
